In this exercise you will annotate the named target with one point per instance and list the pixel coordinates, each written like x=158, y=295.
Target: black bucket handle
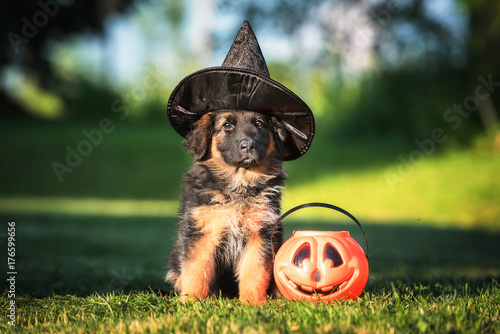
x=320, y=205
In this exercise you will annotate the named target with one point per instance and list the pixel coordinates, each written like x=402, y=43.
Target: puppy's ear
x=198, y=141
x=280, y=135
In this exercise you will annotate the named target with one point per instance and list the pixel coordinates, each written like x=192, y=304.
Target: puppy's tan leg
x=197, y=270
x=253, y=273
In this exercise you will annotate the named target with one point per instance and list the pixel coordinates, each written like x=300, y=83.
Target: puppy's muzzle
x=249, y=155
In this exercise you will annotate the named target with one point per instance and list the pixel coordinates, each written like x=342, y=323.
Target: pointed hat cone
x=245, y=52
x=242, y=83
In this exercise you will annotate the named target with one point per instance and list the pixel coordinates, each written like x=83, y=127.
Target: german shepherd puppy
x=231, y=200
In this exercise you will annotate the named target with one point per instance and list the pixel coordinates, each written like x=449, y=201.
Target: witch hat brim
x=242, y=83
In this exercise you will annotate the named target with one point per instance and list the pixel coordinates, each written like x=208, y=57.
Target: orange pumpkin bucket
x=321, y=265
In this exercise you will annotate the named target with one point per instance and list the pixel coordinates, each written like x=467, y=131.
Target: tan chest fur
x=234, y=223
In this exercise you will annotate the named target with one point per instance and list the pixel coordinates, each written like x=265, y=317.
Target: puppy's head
x=240, y=139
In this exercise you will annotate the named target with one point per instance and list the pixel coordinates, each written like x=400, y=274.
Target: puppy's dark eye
x=227, y=126
x=259, y=123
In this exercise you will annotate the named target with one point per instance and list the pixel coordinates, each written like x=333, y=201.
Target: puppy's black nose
x=246, y=145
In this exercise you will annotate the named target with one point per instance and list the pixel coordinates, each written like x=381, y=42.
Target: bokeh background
x=405, y=94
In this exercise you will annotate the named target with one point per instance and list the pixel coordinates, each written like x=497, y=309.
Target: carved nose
x=246, y=145
x=317, y=276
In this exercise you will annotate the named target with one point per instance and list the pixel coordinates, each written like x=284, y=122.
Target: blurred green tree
x=483, y=52
x=60, y=50
x=410, y=61
x=30, y=26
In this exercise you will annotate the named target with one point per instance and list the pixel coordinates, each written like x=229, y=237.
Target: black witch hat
x=242, y=83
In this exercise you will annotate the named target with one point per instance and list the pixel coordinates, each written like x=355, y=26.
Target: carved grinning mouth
x=319, y=292
x=324, y=291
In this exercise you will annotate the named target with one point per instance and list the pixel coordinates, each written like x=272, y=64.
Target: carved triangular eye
x=333, y=254
x=303, y=253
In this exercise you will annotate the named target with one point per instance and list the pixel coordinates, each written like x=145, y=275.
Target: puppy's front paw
x=184, y=298
x=253, y=298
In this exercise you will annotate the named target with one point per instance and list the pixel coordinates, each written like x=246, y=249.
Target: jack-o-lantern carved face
x=314, y=265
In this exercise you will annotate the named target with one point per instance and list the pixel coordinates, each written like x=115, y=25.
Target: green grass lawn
x=91, y=250
x=103, y=274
